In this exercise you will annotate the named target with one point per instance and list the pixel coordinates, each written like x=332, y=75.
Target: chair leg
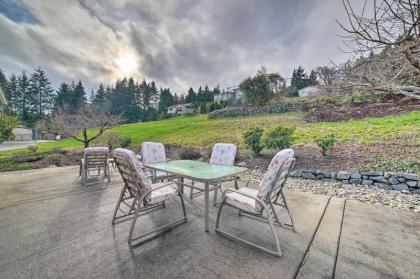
x=236, y=183
x=215, y=194
x=118, y=204
x=277, y=253
x=192, y=190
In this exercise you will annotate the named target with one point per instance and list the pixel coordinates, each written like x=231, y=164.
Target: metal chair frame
x=95, y=161
x=268, y=207
x=138, y=202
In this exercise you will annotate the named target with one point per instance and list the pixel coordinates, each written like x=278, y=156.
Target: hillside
x=199, y=131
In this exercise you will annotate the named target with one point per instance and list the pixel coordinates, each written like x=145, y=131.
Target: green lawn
x=199, y=131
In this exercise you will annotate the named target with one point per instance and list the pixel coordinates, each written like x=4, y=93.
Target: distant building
x=310, y=91
x=3, y=100
x=232, y=95
x=181, y=109
x=22, y=133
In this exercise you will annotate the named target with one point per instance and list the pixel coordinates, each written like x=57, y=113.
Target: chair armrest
x=243, y=194
x=253, y=180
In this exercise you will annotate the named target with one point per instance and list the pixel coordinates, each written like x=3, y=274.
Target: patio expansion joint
x=305, y=254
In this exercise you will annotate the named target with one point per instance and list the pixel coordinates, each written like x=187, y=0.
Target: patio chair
x=94, y=158
x=222, y=154
x=154, y=152
x=140, y=195
x=254, y=203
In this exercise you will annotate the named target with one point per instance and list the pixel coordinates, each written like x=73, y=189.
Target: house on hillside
x=181, y=109
x=232, y=95
x=3, y=100
x=310, y=91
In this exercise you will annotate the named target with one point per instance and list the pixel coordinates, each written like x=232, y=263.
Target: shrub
x=251, y=111
x=56, y=150
x=189, y=153
x=33, y=148
x=111, y=139
x=278, y=138
x=125, y=142
x=252, y=139
x=326, y=143
x=55, y=159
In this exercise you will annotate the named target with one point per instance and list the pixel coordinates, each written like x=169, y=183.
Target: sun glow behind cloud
x=127, y=64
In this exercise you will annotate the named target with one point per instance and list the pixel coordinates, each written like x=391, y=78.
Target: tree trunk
x=85, y=138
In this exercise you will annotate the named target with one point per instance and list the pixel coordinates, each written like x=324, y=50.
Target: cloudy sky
x=177, y=43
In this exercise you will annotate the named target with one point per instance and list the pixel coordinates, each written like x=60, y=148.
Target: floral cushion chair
x=154, y=152
x=222, y=154
x=140, y=195
x=94, y=158
x=255, y=202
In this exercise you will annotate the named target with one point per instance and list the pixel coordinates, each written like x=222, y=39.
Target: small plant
x=326, y=143
x=111, y=139
x=189, y=153
x=33, y=148
x=252, y=139
x=55, y=159
x=125, y=142
x=278, y=138
x=397, y=165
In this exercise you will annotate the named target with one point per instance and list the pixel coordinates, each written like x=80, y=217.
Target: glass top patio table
x=197, y=170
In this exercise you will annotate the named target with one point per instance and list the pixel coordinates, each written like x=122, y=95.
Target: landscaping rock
x=367, y=182
x=320, y=176
x=355, y=181
x=346, y=181
x=343, y=175
x=379, y=179
x=355, y=175
x=393, y=180
x=411, y=183
x=401, y=179
x=400, y=187
x=410, y=176
x=332, y=175
x=308, y=175
x=296, y=173
x=326, y=174
x=373, y=173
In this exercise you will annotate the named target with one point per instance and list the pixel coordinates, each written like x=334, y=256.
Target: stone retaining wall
x=385, y=180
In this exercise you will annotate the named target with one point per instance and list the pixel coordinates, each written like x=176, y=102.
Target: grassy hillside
x=199, y=131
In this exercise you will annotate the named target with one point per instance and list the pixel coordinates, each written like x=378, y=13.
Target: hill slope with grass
x=200, y=131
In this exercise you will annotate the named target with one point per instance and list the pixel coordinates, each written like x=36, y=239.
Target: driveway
x=9, y=145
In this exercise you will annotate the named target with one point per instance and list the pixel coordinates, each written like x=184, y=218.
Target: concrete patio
x=53, y=227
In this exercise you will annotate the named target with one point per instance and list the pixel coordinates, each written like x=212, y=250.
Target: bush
x=55, y=159
x=56, y=150
x=251, y=111
x=33, y=148
x=189, y=153
x=326, y=143
x=278, y=138
x=111, y=139
x=125, y=142
x=252, y=139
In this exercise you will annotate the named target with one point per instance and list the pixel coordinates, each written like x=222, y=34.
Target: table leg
x=206, y=207
x=182, y=187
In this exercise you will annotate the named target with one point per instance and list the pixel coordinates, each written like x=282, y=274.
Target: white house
x=22, y=133
x=310, y=91
x=231, y=95
x=181, y=109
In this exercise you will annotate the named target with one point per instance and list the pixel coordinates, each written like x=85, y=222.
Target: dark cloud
x=178, y=44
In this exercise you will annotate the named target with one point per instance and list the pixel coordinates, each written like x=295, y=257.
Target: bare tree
x=84, y=126
x=392, y=30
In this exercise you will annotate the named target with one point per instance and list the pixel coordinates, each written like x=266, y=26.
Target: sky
x=176, y=43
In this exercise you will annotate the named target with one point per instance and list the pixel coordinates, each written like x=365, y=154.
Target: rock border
x=385, y=180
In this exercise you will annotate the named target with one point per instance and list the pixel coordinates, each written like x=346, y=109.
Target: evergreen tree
x=3, y=81
x=42, y=94
x=191, y=96
x=166, y=100
x=100, y=96
x=63, y=97
x=208, y=94
x=313, y=78
x=79, y=96
x=12, y=94
x=24, y=97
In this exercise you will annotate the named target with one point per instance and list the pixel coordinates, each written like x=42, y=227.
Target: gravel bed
x=371, y=194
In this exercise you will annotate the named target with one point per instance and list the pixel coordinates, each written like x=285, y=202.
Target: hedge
x=250, y=111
